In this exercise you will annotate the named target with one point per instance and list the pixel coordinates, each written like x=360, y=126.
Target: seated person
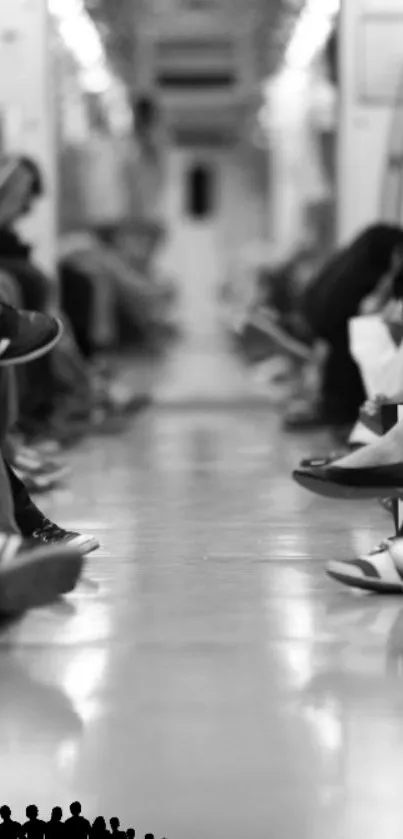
x=31, y=574
x=321, y=313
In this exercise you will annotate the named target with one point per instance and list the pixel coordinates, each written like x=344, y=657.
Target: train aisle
x=206, y=680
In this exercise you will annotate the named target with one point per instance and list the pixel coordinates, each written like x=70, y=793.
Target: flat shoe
x=326, y=460
x=376, y=572
x=335, y=482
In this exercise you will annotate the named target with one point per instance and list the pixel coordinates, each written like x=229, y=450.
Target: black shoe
x=337, y=482
x=26, y=336
x=31, y=577
x=325, y=460
x=51, y=534
x=35, y=526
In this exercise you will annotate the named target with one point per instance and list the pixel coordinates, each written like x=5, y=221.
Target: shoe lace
x=48, y=531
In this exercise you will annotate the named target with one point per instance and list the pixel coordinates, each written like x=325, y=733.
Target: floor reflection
x=207, y=679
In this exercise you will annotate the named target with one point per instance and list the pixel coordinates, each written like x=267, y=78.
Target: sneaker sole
x=291, y=345
x=376, y=586
x=37, y=578
x=34, y=354
x=86, y=547
x=327, y=489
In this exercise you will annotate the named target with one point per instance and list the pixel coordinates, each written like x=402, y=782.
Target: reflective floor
x=207, y=680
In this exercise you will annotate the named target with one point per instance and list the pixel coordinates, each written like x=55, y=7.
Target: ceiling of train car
x=118, y=20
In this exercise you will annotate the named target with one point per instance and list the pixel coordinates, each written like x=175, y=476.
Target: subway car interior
x=201, y=433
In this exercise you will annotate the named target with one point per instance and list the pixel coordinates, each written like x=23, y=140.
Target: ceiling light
x=311, y=32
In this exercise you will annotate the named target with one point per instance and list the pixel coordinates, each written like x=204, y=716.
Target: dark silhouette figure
x=149, y=836
x=99, y=830
x=115, y=829
x=130, y=833
x=55, y=828
x=200, y=187
x=8, y=828
x=34, y=828
x=77, y=827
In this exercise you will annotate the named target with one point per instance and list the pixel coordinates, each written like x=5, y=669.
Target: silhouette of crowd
x=75, y=827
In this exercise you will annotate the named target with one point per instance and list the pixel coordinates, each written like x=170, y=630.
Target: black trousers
x=34, y=286
x=333, y=299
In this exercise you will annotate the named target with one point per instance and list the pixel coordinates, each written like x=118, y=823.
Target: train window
x=200, y=191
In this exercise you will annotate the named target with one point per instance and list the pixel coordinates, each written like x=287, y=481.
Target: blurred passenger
x=321, y=311
x=97, y=282
x=51, y=382
x=20, y=186
x=31, y=575
x=59, y=399
x=146, y=171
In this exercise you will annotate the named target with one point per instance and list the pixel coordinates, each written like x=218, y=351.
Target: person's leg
x=333, y=299
x=9, y=290
x=35, y=526
x=77, y=300
x=338, y=290
x=7, y=518
x=34, y=286
x=342, y=390
x=28, y=577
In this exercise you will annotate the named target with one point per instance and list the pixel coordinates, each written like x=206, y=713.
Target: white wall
x=364, y=127
x=27, y=107
x=295, y=112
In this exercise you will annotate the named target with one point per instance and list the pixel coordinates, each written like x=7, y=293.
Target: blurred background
x=208, y=194
x=247, y=99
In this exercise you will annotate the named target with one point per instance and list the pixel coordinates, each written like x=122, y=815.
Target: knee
x=379, y=235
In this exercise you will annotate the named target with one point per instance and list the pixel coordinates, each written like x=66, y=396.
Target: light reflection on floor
x=207, y=679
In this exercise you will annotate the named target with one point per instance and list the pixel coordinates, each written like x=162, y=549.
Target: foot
x=384, y=451
x=31, y=577
x=35, y=526
x=331, y=481
x=380, y=571
x=325, y=460
x=26, y=336
x=51, y=534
